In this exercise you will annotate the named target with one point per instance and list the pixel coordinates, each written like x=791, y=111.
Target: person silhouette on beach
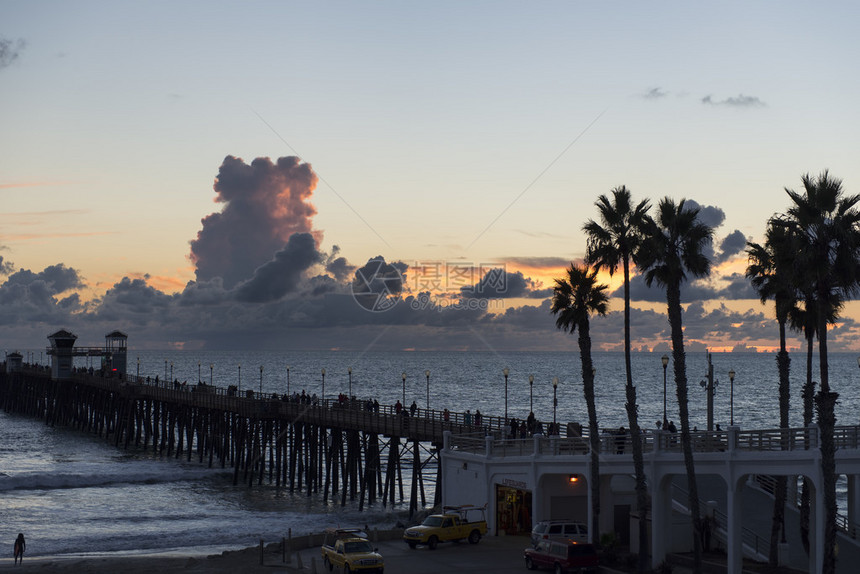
x=20, y=546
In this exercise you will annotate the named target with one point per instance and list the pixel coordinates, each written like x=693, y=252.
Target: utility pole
x=710, y=394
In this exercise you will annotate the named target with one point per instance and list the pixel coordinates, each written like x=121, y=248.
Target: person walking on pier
x=413, y=408
x=20, y=546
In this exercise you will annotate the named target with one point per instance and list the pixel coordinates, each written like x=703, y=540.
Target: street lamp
x=403, y=377
x=506, y=371
x=531, y=393
x=138, y=367
x=288, y=379
x=427, y=374
x=261, y=381
x=323, y=387
x=165, y=371
x=211, y=372
x=349, y=370
x=732, y=397
x=665, y=360
x=240, y=378
x=554, y=399
x=199, y=380
x=171, y=371
x=710, y=386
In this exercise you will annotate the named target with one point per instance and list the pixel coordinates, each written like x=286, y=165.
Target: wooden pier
x=340, y=448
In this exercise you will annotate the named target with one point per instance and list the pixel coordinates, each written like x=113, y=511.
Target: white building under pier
x=523, y=481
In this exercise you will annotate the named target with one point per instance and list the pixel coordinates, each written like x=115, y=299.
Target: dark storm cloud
x=378, y=277
x=133, y=297
x=697, y=290
x=6, y=267
x=741, y=101
x=10, y=50
x=500, y=284
x=710, y=215
x=739, y=287
x=264, y=204
x=282, y=274
x=56, y=278
x=27, y=296
x=733, y=244
x=339, y=266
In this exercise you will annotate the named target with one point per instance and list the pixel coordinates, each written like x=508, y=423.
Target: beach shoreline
x=499, y=554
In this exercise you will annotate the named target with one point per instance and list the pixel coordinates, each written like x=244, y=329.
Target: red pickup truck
x=562, y=557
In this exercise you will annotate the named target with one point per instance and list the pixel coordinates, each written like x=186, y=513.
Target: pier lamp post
x=665, y=360
x=427, y=374
x=710, y=386
x=403, y=378
x=323, y=387
x=171, y=371
x=554, y=399
x=261, y=381
x=138, y=367
x=165, y=372
x=211, y=372
x=732, y=397
x=240, y=378
x=199, y=379
x=531, y=393
x=349, y=370
x=506, y=371
x=288, y=380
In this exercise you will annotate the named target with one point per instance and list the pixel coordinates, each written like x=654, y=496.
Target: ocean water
x=71, y=492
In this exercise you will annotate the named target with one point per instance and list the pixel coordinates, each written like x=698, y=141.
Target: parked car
x=465, y=522
x=562, y=557
x=348, y=550
x=560, y=530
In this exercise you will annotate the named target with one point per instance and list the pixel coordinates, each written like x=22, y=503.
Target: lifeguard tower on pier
x=62, y=352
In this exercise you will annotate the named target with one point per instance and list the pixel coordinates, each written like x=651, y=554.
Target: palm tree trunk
x=808, y=413
x=679, y=364
x=784, y=364
x=635, y=433
x=593, y=430
x=825, y=402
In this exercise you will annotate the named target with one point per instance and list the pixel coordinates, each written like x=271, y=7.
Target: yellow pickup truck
x=456, y=523
x=348, y=550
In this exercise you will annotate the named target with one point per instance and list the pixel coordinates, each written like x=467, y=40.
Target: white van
x=560, y=530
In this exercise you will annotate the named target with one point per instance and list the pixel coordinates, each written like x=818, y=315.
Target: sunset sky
x=451, y=139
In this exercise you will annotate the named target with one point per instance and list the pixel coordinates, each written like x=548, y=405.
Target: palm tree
x=770, y=270
x=574, y=300
x=803, y=318
x=611, y=242
x=827, y=224
x=673, y=248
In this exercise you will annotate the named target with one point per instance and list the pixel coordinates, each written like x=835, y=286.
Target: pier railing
x=430, y=424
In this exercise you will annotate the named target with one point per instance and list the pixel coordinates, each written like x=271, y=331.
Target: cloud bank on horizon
x=262, y=281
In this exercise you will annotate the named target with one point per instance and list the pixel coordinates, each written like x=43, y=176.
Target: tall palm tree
x=803, y=318
x=827, y=222
x=770, y=271
x=611, y=242
x=574, y=300
x=673, y=248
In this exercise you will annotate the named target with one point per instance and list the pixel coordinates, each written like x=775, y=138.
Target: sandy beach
x=501, y=555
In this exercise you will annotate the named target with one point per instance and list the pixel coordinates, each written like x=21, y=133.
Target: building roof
x=63, y=334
